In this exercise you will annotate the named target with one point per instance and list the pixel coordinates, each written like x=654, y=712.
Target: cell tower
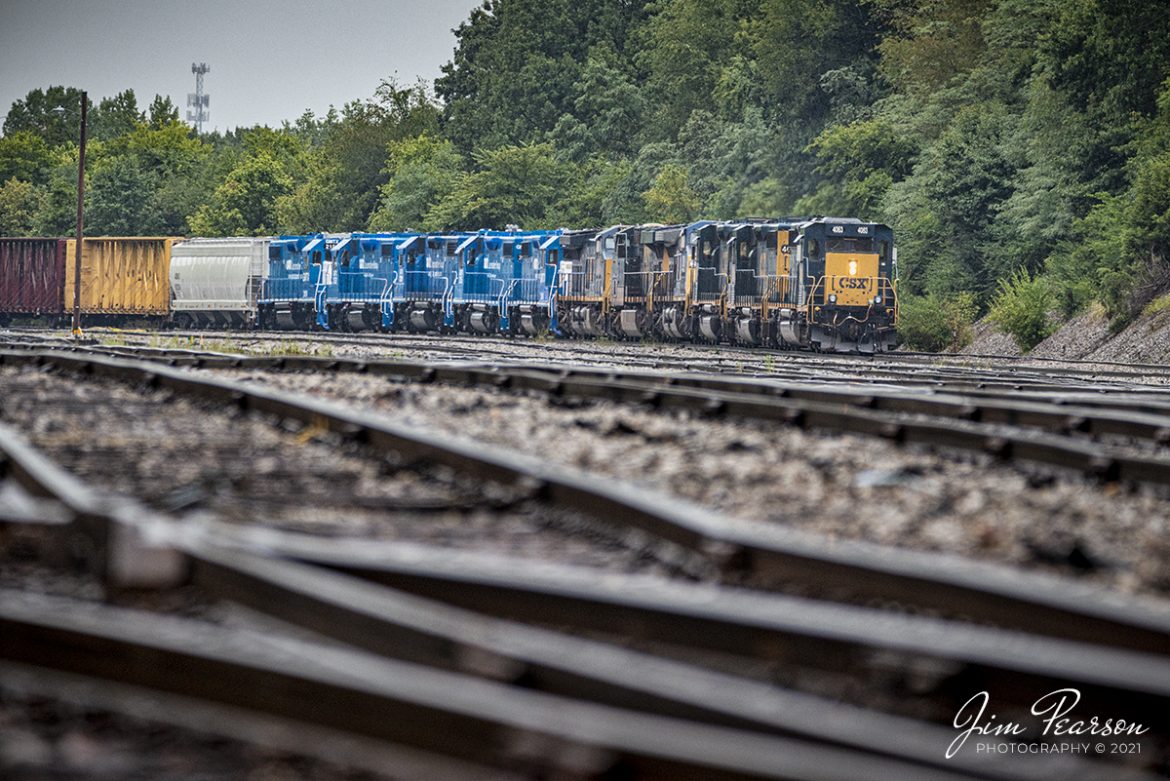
x=197, y=100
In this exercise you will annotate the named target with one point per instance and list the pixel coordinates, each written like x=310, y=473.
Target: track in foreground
x=349, y=691
x=1140, y=687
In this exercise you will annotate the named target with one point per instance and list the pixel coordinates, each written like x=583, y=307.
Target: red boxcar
x=32, y=276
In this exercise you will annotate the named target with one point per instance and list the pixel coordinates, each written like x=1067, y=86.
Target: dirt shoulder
x=1086, y=337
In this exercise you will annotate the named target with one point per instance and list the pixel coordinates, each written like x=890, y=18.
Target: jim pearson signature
x=1054, y=710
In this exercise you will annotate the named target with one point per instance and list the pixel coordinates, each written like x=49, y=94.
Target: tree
x=607, y=110
x=683, y=60
x=514, y=185
x=58, y=213
x=25, y=155
x=245, y=204
x=19, y=204
x=117, y=194
x=162, y=112
x=518, y=64
x=421, y=172
x=115, y=116
x=966, y=178
x=671, y=198
x=344, y=172
x=930, y=42
x=1021, y=309
x=53, y=114
x=860, y=161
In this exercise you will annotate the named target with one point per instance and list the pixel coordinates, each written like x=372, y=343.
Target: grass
x=233, y=347
x=1157, y=306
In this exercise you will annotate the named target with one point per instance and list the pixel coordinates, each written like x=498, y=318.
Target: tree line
x=1019, y=148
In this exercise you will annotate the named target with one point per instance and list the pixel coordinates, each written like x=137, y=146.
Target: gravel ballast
x=840, y=486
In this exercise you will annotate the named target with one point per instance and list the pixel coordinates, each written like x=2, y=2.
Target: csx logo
x=852, y=283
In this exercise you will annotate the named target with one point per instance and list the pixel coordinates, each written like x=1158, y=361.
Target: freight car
x=123, y=279
x=32, y=278
x=216, y=282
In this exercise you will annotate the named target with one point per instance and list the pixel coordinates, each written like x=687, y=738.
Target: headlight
x=877, y=299
x=832, y=298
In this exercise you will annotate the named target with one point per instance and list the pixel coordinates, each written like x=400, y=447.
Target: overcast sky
x=269, y=59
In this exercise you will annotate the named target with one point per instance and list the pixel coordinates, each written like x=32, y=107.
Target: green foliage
x=19, y=204
x=346, y=169
x=421, y=172
x=671, y=198
x=245, y=204
x=25, y=155
x=519, y=64
x=1158, y=306
x=930, y=43
x=162, y=112
x=514, y=185
x=933, y=323
x=58, y=213
x=599, y=195
x=993, y=135
x=54, y=115
x=117, y=194
x=115, y=116
x=1021, y=309
x=860, y=161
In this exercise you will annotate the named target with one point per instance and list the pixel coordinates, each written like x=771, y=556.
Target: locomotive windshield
x=850, y=244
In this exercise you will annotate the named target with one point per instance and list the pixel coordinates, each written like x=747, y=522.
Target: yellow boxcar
x=127, y=275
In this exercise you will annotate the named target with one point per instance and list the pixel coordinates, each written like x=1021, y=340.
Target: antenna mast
x=197, y=100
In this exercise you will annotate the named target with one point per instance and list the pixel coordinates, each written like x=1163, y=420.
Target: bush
x=934, y=323
x=1021, y=309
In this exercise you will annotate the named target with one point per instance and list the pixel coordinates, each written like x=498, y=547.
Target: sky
x=269, y=59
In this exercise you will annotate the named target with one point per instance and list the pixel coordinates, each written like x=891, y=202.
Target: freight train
x=821, y=283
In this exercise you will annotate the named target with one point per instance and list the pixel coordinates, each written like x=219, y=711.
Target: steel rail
x=884, y=362
x=149, y=710
x=1007, y=385
x=764, y=554
x=885, y=366
x=836, y=370
x=419, y=631
x=789, y=632
x=795, y=365
x=433, y=710
x=408, y=628
x=747, y=398
x=1064, y=414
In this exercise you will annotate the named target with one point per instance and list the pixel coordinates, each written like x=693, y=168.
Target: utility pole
x=197, y=100
x=80, y=222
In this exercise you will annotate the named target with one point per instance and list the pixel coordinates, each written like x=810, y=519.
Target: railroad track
x=941, y=373
x=963, y=383
x=825, y=740
x=1057, y=431
x=741, y=551
x=685, y=354
x=255, y=568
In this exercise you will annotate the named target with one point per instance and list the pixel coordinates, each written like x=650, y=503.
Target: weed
x=1157, y=306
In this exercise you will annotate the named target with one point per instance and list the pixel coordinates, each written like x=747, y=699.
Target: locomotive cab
x=841, y=295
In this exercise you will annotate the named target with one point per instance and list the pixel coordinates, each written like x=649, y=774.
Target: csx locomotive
x=821, y=283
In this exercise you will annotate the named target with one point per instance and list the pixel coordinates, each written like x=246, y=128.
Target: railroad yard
x=268, y=555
